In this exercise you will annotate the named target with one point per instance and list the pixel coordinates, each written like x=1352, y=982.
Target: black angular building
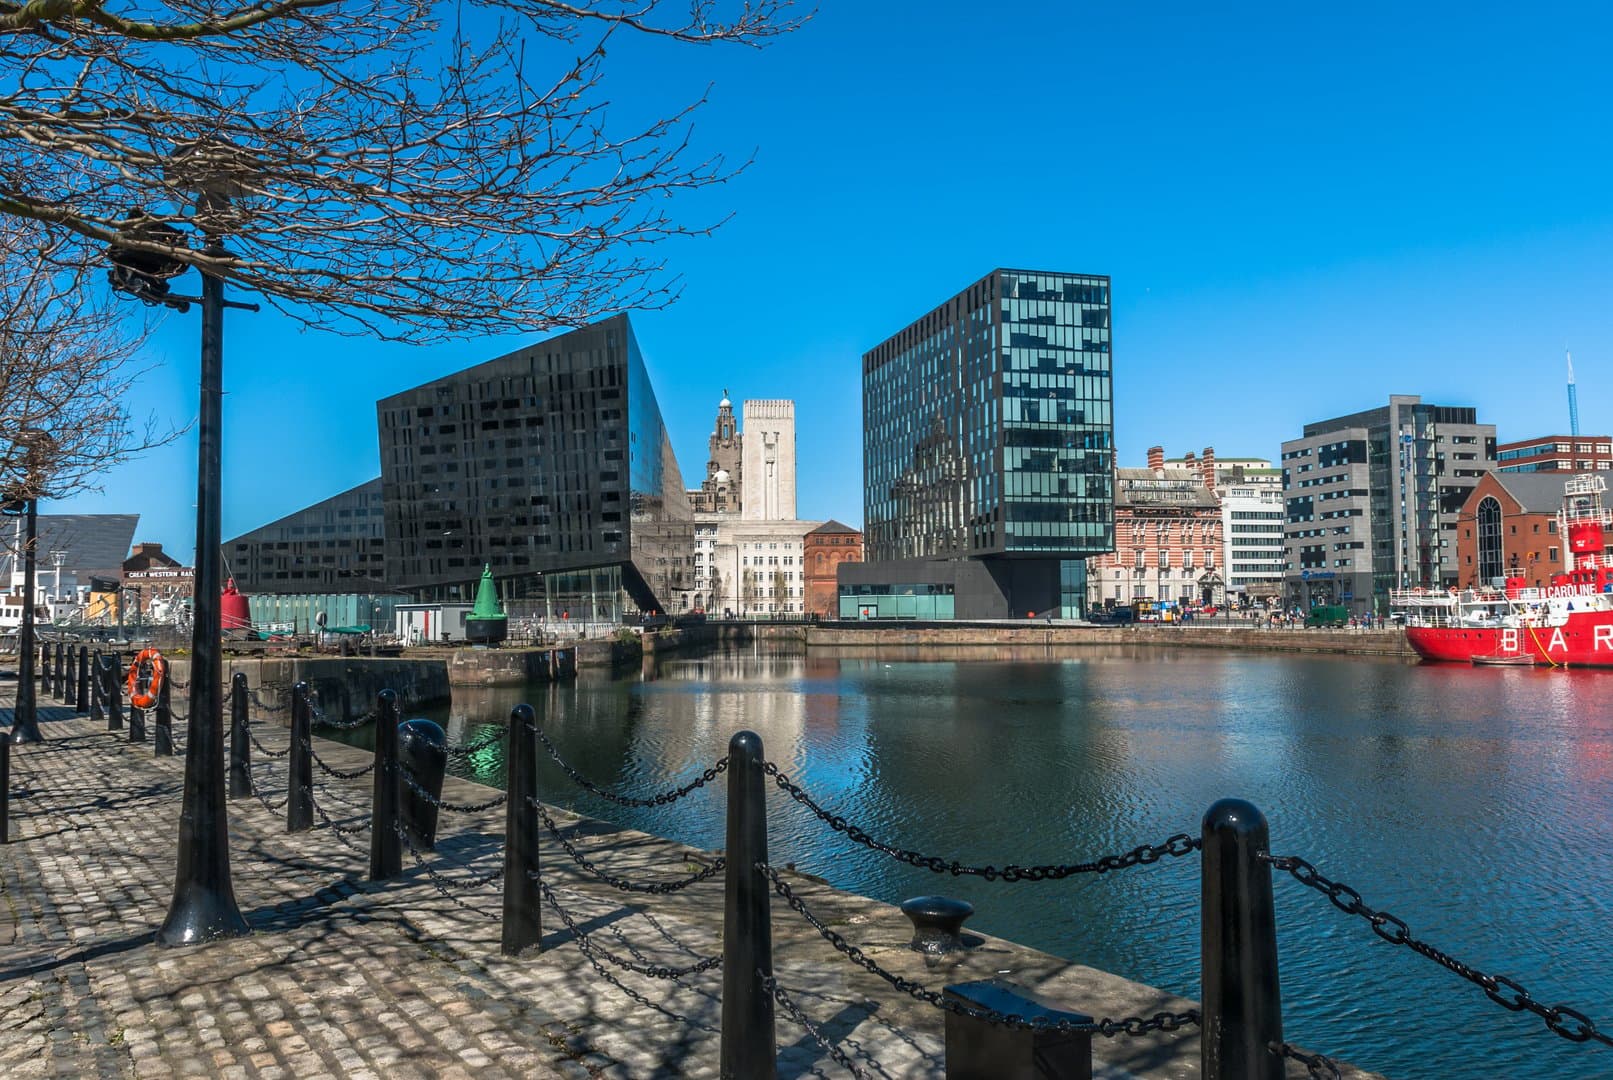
x=987, y=436
x=333, y=546
x=553, y=466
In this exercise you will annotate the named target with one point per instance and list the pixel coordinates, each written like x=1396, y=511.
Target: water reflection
x=1473, y=803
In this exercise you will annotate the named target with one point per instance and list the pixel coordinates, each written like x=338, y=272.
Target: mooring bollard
x=386, y=846
x=240, y=739
x=81, y=703
x=163, y=746
x=423, y=751
x=97, y=691
x=114, y=695
x=523, y=902
x=5, y=788
x=1241, y=998
x=749, y=1046
x=977, y=1049
x=937, y=923
x=300, y=764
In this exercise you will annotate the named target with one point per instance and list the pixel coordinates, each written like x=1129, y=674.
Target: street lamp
x=203, y=907
x=23, y=500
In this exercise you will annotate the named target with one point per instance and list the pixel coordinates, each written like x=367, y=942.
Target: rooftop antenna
x=1573, y=398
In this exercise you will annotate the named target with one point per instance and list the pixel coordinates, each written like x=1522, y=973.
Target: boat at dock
x=1567, y=623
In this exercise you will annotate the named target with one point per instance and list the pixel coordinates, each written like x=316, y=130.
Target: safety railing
x=1239, y=1015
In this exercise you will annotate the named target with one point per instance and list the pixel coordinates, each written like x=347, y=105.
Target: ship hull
x=1584, y=640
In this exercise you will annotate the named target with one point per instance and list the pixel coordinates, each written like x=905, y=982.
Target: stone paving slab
x=344, y=978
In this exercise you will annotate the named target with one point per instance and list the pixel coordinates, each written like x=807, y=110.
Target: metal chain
x=273, y=808
x=341, y=832
x=659, y=887
x=664, y=799
x=264, y=749
x=477, y=747
x=318, y=717
x=771, y=985
x=443, y=884
x=1317, y=1067
x=1142, y=855
x=585, y=943
x=1514, y=999
x=1131, y=1025
x=264, y=705
x=453, y=808
x=337, y=773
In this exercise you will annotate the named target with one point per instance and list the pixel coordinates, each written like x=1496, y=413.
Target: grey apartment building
x=551, y=465
x=987, y=434
x=1371, y=501
x=334, y=546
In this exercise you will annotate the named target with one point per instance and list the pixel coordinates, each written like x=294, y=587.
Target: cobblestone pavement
x=341, y=977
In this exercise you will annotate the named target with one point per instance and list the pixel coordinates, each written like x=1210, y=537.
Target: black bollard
x=937, y=923
x=423, y=751
x=97, y=689
x=1241, y=998
x=114, y=694
x=137, y=715
x=300, y=764
x=69, y=677
x=386, y=847
x=164, y=744
x=56, y=676
x=5, y=790
x=240, y=739
x=749, y=1045
x=81, y=702
x=523, y=921
x=44, y=667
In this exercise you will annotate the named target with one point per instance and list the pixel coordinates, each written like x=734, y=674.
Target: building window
x=1490, y=553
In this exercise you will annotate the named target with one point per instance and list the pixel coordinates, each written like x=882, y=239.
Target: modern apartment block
x=1372, y=501
x=987, y=435
x=1556, y=453
x=334, y=546
x=552, y=465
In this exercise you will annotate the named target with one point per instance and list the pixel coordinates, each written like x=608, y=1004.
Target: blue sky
x=1301, y=213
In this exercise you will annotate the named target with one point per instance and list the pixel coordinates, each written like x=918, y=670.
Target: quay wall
x=1391, y=643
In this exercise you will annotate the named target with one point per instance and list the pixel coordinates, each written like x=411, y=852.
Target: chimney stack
x=1156, y=457
x=1208, y=465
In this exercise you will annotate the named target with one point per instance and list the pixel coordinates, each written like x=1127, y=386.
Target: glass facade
x=551, y=459
x=334, y=545
x=987, y=424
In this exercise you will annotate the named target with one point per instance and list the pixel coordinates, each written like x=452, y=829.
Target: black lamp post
x=203, y=906
x=24, y=502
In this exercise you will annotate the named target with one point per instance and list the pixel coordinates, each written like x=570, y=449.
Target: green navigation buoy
x=486, y=624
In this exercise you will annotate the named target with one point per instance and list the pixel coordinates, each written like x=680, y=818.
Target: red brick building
x=1168, y=538
x=823, y=549
x=1508, y=528
x=1556, y=453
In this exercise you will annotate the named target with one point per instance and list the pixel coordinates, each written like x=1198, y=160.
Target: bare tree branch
x=396, y=167
x=67, y=362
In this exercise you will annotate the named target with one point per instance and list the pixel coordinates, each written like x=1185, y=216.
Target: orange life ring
x=159, y=671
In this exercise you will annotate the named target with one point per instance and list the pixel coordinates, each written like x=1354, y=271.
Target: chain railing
x=494, y=739
x=655, y=887
x=665, y=798
x=586, y=944
x=1144, y=854
x=1498, y=988
x=444, y=804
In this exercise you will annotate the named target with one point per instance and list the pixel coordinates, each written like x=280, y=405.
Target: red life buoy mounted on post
x=159, y=671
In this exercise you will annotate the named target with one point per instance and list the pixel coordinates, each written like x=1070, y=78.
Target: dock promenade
x=342, y=977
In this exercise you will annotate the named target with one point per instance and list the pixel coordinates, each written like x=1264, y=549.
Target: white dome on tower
x=721, y=476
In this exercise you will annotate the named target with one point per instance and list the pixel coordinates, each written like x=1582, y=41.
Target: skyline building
x=723, y=487
x=336, y=545
x=1372, y=500
x=1556, y=453
x=987, y=436
x=767, y=447
x=553, y=466
x=1168, y=541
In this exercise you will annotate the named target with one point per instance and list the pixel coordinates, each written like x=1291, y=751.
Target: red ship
x=1568, y=623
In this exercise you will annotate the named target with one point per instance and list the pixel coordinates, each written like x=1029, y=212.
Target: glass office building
x=334, y=546
x=551, y=465
x=987, y=436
